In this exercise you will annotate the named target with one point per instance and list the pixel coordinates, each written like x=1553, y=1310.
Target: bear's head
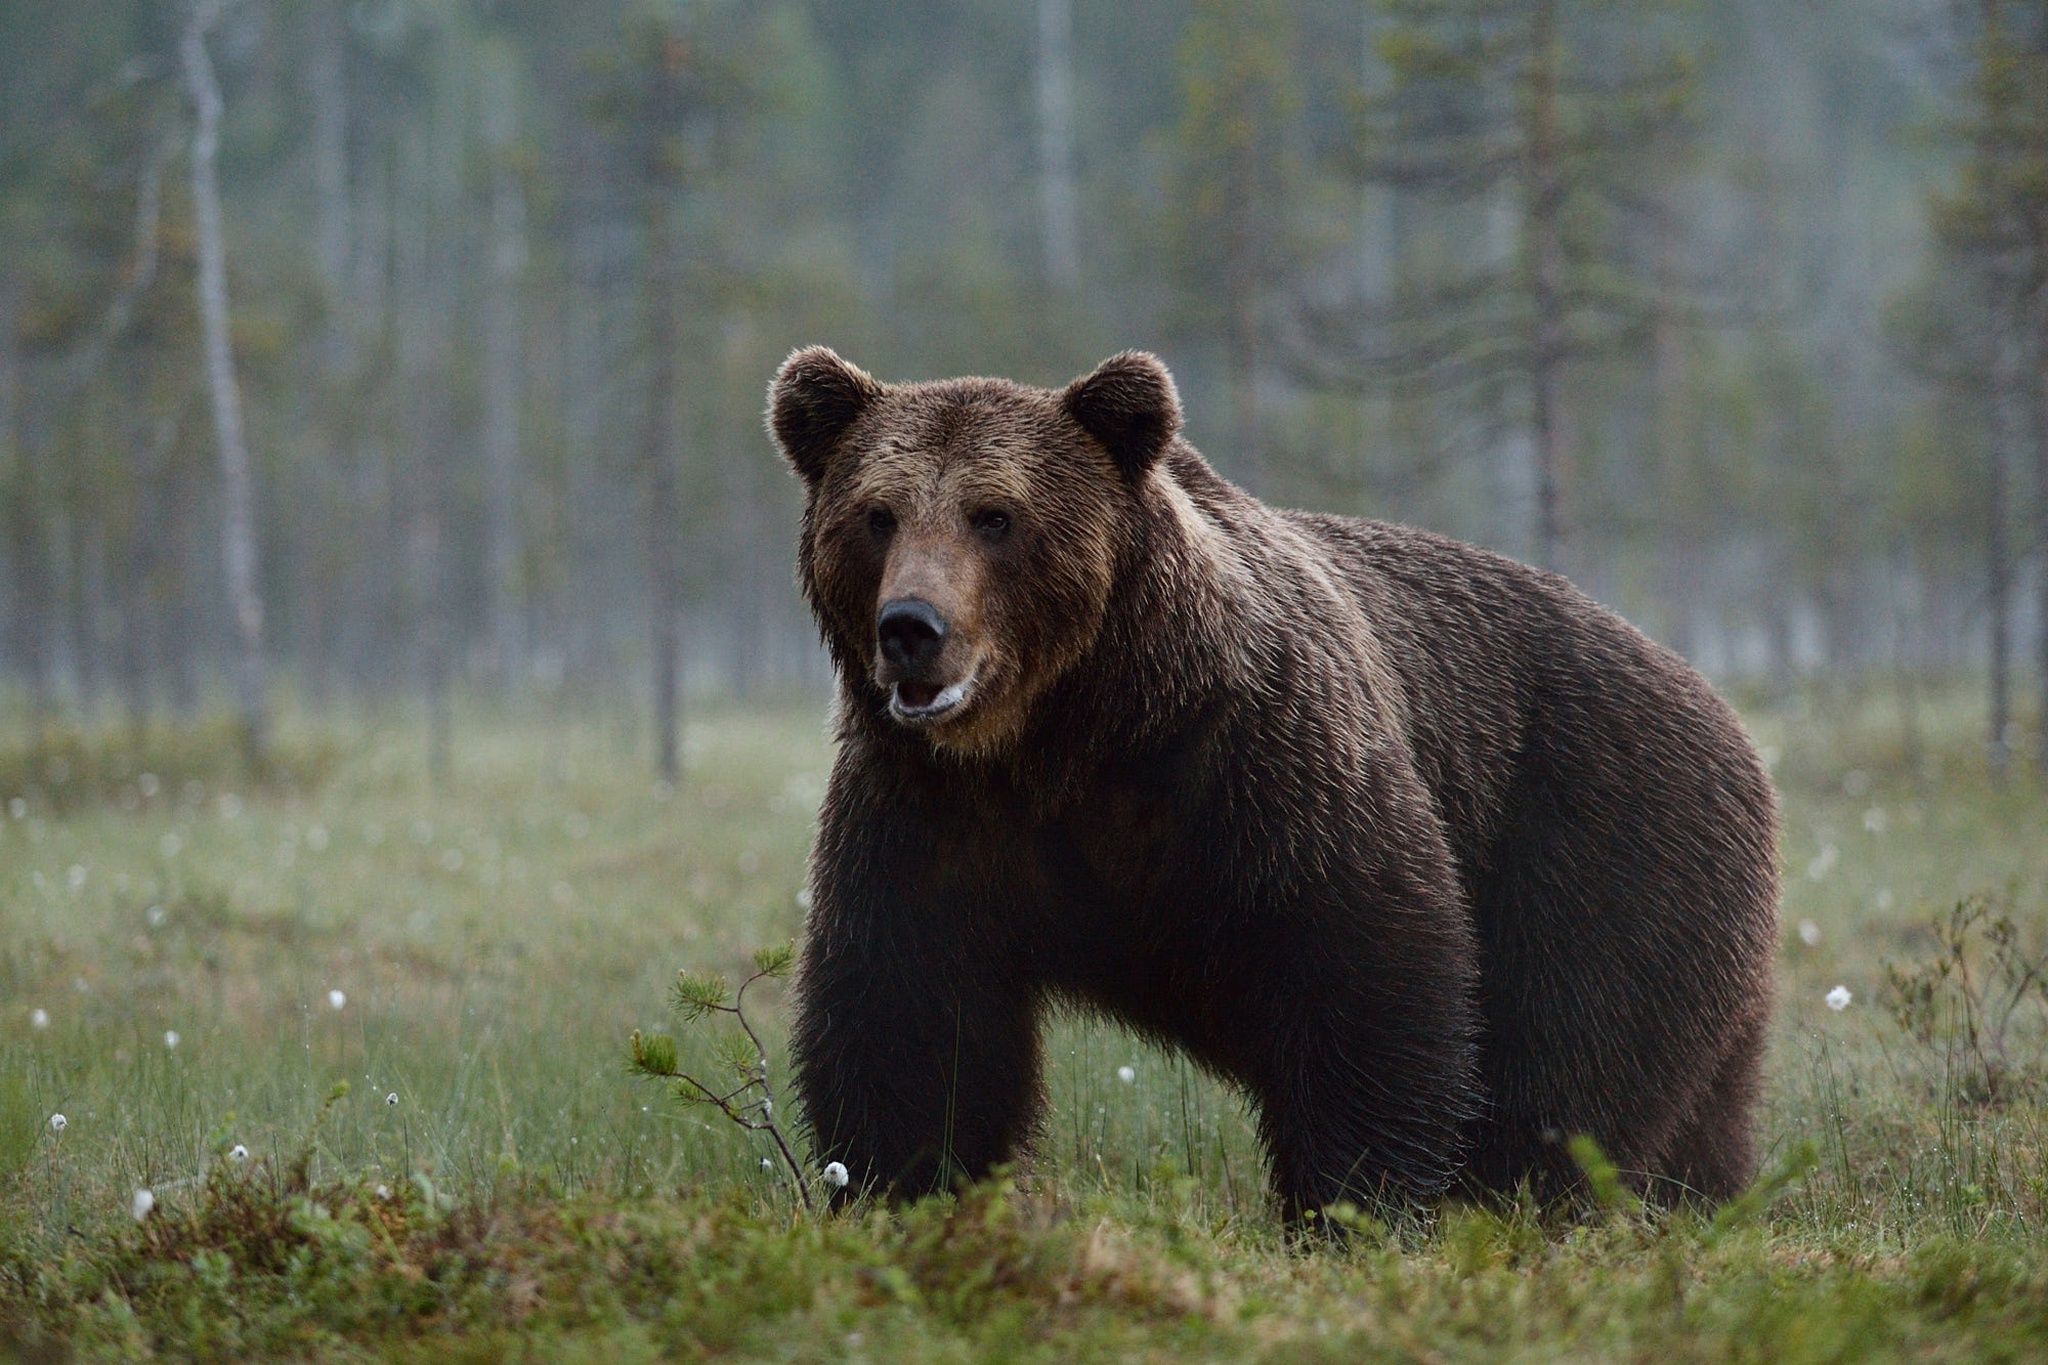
x=961, y=539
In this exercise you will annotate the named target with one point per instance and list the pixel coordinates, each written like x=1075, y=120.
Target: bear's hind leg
x=1711, y=1156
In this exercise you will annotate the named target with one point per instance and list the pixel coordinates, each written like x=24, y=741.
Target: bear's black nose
x=912, y=633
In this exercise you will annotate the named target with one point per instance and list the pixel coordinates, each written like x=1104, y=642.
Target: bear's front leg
x=915, y=1047
x=913, y=1073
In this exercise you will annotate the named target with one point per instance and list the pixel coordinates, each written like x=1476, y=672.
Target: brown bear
x=1435, y=860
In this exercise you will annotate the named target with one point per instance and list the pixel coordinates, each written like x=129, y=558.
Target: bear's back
x=1517, y=685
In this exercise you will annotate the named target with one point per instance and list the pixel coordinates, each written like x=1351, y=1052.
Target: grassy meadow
x=193, y=966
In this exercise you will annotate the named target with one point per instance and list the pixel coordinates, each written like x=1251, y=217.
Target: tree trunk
x=238, y=527
x=1381, y=249
x=18, y=511
x=1056, y=144
x=327, y=84
x=503, y=358
x=422, y=304
x=1905, y=659
x=1681, y=514
x=1241, y=302
x=87, y=572
x=140, y=581
x=27, y=550
x=182, y=616
x=334, y=258
x=658, y=454
x=2005, y=431
x=1544, y=247
x=2037, y=374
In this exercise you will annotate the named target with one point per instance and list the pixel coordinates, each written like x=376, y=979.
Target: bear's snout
x=911, y=633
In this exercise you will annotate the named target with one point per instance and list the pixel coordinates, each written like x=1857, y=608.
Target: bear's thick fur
x=1435, y=859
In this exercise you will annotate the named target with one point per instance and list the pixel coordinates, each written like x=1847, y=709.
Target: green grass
x=525, y=1197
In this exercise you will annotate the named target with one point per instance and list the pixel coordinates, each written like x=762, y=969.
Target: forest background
x=1734, y=311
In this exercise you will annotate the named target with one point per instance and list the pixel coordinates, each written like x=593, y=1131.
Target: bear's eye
x=992, y=523
x=881, y=521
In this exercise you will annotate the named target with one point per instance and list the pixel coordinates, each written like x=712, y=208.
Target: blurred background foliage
x=1733, y=311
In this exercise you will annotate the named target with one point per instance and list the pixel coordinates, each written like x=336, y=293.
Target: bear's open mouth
x=917, y=702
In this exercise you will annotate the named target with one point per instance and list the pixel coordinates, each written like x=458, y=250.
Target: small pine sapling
x=750, y=1100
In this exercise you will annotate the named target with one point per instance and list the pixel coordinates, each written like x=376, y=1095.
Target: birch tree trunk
x=238, y=526
x=1545, y=252
x=1056, y=144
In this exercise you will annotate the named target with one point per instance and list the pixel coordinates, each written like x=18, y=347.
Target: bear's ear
x=814, y=397
x=1130, y=405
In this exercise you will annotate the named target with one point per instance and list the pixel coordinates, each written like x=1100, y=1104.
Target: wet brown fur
x=1436, y=859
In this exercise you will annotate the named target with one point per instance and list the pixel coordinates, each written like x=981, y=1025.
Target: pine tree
x=1561, y=118
x=1992, y=231
x=1237, y=95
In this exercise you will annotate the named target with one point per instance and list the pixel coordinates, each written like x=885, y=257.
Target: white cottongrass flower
x=156, y=916
x=835, y=1175
x=392, y=1099
x=1809, y=933
x=58, y=1123
x=337, y=999
x=1127, y=1074
x=141, y=1204
x=171, y=1038
x=383, y=1191
x=766, y=1164
x=1823, y=863
x=38, y=1018
x=1838, y=999
x=238, y=1153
